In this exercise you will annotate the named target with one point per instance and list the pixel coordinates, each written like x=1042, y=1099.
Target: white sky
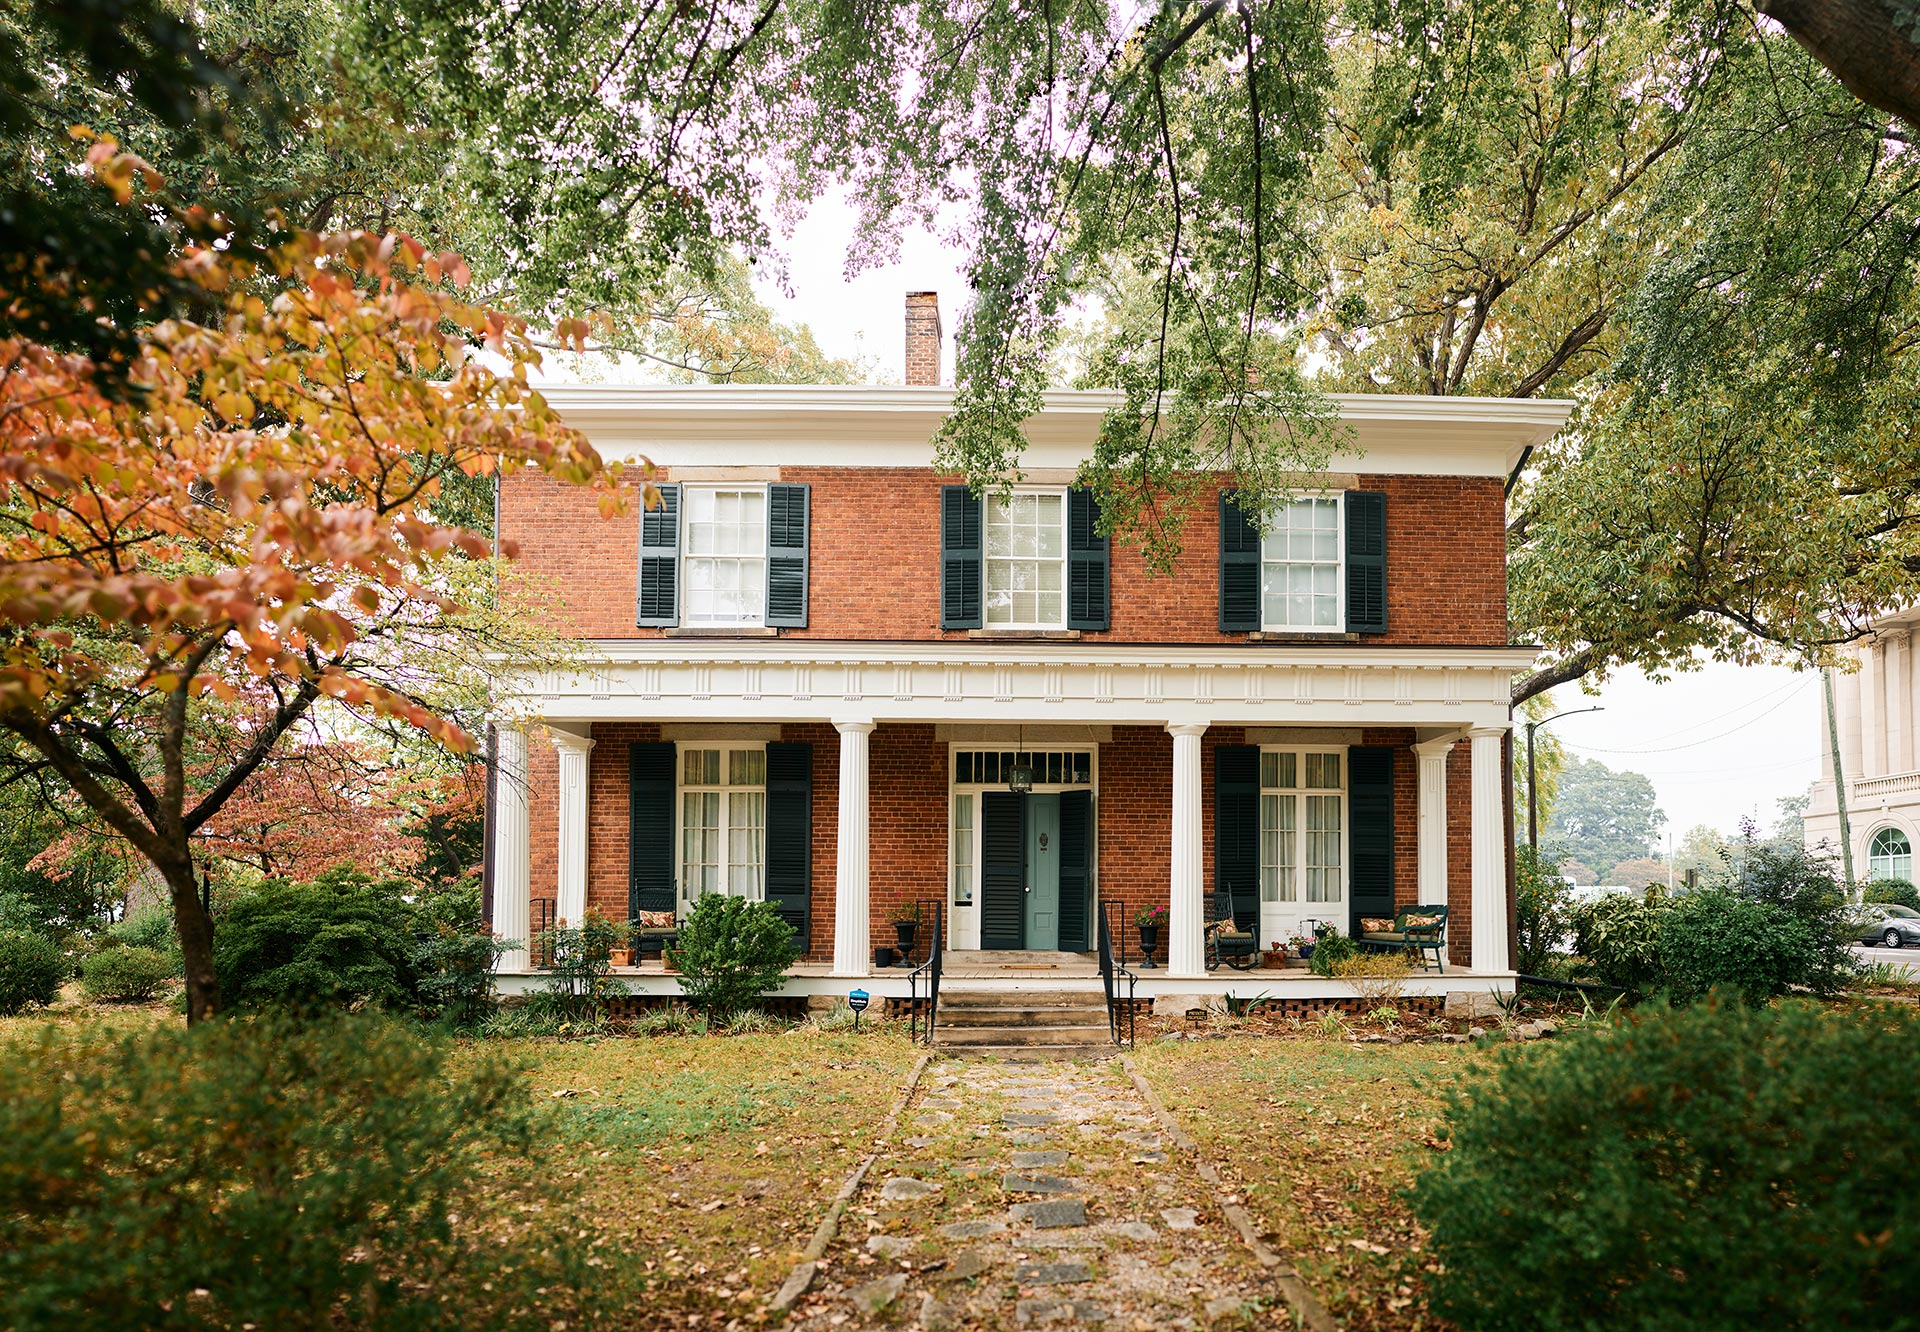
x=1720, y=743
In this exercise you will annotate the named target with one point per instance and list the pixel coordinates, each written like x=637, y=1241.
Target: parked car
x=1888, y=924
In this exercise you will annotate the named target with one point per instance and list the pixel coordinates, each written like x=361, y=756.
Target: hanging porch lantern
x=1020, y=775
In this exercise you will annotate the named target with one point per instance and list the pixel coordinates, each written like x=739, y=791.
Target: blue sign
x=857, y=1001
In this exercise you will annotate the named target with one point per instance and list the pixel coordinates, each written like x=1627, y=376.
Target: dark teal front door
x=1043, y=872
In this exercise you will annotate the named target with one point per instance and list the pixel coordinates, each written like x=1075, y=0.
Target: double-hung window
x=1302, y=826
x=1026, y=557
x=1300, y=567
x=726, y=556
x=723, y=821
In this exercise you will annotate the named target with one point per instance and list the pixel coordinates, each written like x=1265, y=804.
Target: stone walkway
x=1035, y=1195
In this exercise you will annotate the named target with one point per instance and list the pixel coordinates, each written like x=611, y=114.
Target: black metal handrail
x=936, y=950
x=1110, y=974
x=1115, y=909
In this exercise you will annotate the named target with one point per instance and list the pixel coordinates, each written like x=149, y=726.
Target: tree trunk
x=1859, y=42
x=196, y=939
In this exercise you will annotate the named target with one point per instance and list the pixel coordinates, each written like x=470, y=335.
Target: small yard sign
x=857, y=1001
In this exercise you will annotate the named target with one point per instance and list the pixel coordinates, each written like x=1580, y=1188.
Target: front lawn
x=1319, y=1136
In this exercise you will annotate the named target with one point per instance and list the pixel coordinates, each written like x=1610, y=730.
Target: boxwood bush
x=732, y=951
x=1712, y=1167
x=273, y=1172
x=341, y=940
x=32, y=970
x=124, y=975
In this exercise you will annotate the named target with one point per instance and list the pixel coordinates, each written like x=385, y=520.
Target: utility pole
x=1839, y=782
x=1533, y=797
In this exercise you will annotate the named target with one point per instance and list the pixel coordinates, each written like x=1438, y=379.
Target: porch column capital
x=1487, y=732
x=1438, y=747
x=568, y=742
x=854, y=726
x=1182, y=730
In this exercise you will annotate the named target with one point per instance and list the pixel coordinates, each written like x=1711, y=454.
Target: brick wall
x=907, y=846
x=876, y=564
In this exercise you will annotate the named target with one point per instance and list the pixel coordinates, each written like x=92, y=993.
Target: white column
x=1873, y=710
x=570, y=894
x=1899, y=701
x=1489, y=852
x=852, y=934
x=1186, y=954
x=1432, y=764
x=512, y=866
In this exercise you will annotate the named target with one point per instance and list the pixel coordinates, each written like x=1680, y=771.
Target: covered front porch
x=845, y=785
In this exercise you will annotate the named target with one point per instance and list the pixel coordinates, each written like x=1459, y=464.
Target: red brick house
x=817, y=665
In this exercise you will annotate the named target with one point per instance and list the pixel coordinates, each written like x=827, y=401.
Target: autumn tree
x=248, y=522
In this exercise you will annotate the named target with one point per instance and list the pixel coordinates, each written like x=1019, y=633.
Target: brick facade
x=875, y=562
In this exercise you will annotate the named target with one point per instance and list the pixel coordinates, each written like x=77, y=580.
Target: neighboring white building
x=1874, y=709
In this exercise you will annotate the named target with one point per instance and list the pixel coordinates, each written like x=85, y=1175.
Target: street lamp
x=1533, y=789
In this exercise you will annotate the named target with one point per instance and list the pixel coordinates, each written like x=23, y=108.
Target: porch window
x=726, y=556
x=1027, y=560
x=1890, y=856
x=1302, y=826
x=1300, y=584
x=963, y=849
x=723, y=821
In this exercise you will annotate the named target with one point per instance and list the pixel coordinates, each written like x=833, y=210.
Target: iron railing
x=1113, y=912
x=930, y=969
x=540, y=933
x=1119, y=1011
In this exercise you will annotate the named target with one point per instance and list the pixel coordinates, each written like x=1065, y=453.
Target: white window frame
x=1339, y=625
x=682, y=789
x=987, y=560
x=1873, y=870
x=688, y=556
x=963, y=920
x=1281, y=917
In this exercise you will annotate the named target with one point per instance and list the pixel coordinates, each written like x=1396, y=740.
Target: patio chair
x=1226, y=941
x=1417, y=930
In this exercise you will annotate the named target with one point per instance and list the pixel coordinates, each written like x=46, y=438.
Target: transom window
x=723, y=821
x=726, y=556
x=1300, y=566
x=1051, y=767
x=1302, y=825
x=1890, y=856
x=1027, y=560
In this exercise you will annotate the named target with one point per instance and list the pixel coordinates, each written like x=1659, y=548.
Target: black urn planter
x=907, y=931
x=1149, y=940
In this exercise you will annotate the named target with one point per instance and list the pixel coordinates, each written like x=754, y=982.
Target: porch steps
x=1024, y=1025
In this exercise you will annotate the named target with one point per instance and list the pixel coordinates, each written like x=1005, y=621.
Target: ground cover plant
x=1713, y=1167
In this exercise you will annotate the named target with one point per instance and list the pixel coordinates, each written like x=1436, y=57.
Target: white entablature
x=804, y=680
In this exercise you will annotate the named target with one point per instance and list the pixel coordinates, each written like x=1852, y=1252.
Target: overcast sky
x=1720, y=744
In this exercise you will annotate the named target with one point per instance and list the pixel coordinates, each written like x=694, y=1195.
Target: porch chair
x=1226, y=941
x=1417, y=930
x=650, y=931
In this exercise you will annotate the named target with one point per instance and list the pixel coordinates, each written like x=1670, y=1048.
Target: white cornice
x=879, y=425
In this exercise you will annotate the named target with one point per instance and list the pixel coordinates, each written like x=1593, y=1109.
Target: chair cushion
x=1421, y=922
x=654, y=920
x=1386, y=936
x=1375, y=924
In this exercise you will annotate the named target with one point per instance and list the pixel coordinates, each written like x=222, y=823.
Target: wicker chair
x=1226, y=941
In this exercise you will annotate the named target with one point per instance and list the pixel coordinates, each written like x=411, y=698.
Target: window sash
x=1890, y=855
x=1026, y=560
x=724, y=556
x=723, y=821
x=963, y=849
x=1302, y=826
x=1302, y=555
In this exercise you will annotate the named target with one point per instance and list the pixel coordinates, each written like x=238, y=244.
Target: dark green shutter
x=1076, y=843
x=787, y=544
x=1003, y=870
x=790, y=837
x=650, y=820
x=1370, y=832
x=1088, y=564
x=1239, y=568
x=1366, y=562
x=660, y=562
x=961, y=560
x=1236, y=830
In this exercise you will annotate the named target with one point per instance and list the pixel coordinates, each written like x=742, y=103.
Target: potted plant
x=1302, y=947
x=906, y=925
x=670, y=959
x=1275, y=956
x=620, y=943
x=1149, y=920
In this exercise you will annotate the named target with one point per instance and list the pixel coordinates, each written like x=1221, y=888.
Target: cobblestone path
x=1035, y=1195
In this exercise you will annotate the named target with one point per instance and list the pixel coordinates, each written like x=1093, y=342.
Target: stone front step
x=999, y=999
x=1033, y=1054
x=958, y=1015
x=1068, y=1024
x=1079, y=1033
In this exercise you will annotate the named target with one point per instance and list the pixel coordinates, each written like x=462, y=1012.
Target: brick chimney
x=923, y=337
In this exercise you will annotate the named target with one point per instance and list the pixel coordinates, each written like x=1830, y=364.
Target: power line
x=1703, y=740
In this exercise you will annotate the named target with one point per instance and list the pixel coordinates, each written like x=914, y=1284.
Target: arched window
x=1890, y=855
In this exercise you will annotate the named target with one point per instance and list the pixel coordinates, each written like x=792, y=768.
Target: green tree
x=1602, y=816
x=1702, y=849
x=1637, y=873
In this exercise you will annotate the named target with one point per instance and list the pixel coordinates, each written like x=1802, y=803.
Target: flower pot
x=620, y=957
x=1149, y=940
x=669, y=961
x=1272, y=961
x=908, y=931
x=1306, y=952
x=883, y=956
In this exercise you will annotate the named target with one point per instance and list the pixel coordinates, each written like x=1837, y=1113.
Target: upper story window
x=1027, y=560
x=1300, y=561
x=726, y=556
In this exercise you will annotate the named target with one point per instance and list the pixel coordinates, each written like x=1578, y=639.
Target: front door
x=1043, y=871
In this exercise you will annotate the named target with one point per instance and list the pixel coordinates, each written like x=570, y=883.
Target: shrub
x=1897, y=891
x=341, y=940
x=1806, y=885
x=276, y=1172
x=117, y=974
x=1378, y=978
x=32, y=970
x=580, y=979
x=1544, y=908
x=1755, y=949
x=16, y=912
x=151, y=927
x=732, y=951
x=1619, y=935
x=1330, y=951
x=1715, y=1167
